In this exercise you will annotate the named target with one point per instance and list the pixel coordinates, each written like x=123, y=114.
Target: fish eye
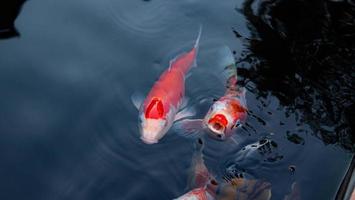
x=238, y=123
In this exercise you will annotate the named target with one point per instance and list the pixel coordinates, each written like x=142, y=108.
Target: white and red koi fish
x=228, y=112
x=161, y=106
x=203, y=184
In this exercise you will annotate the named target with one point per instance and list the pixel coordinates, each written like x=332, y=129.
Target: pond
x=70, y=131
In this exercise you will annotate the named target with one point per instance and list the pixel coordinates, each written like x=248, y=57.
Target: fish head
x=154, y=122
x=152, y=130
x=225, y=115
x=218, y=120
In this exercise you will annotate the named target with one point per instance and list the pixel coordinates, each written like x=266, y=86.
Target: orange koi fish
x=228, y=112
x=161, y=106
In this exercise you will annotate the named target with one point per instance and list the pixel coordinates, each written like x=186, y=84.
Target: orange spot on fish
x=155, y=109
x=236, y=107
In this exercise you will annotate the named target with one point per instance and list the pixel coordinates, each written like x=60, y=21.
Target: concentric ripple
x=144, y=19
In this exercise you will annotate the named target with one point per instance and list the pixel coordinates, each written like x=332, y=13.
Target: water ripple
x=148, y=19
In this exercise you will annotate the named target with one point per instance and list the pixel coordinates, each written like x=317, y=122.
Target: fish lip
x=213, y=130
x=149, y=141
x=220, y=135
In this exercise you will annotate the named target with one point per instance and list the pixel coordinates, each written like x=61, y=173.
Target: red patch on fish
x=219, y=118
x=155, y=109
x=236, y=107
x=200, y=193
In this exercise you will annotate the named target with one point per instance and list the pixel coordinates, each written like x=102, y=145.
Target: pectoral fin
x=190, y=128
x=137, y=100
x=185, y=113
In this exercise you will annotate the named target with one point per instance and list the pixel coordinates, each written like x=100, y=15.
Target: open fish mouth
x=217, y=125
x=217, y=129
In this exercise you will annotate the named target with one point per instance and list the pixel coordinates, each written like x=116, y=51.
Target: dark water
x=69, y=131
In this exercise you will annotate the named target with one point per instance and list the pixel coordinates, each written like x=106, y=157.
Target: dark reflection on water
x=69, y=131
x=9, y=11
x=304, y=53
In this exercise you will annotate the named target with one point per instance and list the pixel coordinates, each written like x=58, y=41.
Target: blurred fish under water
x=206, y=187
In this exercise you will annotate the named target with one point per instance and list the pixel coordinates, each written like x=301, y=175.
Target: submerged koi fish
x=228, y=112
x=201, y=193
x=244, y=189
x=203, y=184
x=161, y=106
x=235, y=186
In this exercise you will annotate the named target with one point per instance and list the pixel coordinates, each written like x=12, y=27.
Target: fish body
x=196, y=194
x=201, y=183
x=229, y=111
x=244, y=189
x=159, y=109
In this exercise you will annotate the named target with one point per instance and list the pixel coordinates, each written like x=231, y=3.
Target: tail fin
x=227, y=61
x=197, y=42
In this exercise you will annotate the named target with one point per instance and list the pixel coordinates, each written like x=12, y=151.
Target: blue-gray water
x=68, y=129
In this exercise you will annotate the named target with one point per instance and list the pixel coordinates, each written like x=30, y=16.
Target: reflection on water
x=69, y=131
x=313, y=57
x=9, y=11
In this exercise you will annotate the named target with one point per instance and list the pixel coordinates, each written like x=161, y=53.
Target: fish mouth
x=217, y=125
x=149, y=140
x=217, y=129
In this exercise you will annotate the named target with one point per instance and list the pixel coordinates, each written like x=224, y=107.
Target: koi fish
x=244, y=189
x=228, y=112
x=199, y=174
x=197, y=194
x=161, y=106
x=203, y=184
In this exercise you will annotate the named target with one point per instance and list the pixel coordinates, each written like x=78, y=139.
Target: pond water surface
x=68, y=129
